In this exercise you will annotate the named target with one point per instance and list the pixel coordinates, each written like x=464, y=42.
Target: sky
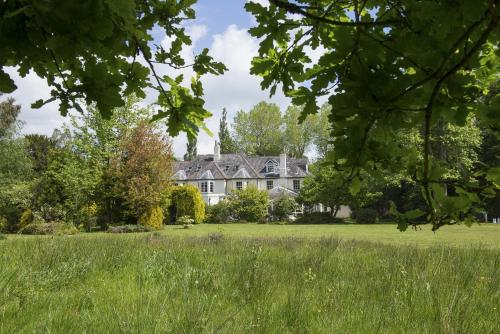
x=221, y=26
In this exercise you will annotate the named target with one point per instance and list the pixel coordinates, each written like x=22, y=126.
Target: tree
x=186, y=201
x=259, y=131
x=40, y=148
x=297, y=137
x=283, y=207
x=15, y=167
x=226, y=141
x=105, y=55
x=383, y=75
x=143, y=167
x=191, y=149
x=249, y=204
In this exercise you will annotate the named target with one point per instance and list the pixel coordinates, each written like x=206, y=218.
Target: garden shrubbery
x=187, y=201
x=129, y=229
x=249, y=204
x=219, y=213
x=365, y=216
x=283, y=208
x=318, y=218
x=152, y=218
x=49, y=229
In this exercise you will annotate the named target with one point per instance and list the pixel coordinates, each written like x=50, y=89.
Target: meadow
x=225, y=279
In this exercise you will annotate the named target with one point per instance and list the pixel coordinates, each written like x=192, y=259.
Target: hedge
x=187, y=201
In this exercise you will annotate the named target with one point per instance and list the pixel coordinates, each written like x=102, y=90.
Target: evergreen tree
x=191, y=152
x=226, y=142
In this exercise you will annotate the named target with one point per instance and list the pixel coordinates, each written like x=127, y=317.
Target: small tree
x=187, y=201
x=283, y=207
x=249, y=204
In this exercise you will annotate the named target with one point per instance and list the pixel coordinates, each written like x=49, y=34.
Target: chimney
x=216, y=151
x=282, y=167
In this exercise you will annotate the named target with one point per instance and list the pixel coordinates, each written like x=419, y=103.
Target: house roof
x=235, y=166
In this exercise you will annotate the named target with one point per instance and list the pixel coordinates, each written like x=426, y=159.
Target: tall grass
x=156, y=284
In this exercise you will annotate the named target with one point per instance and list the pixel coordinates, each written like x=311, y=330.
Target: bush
x=366, y=216
x=129, y=229
x=283, y=208
x=249, y=204
x=219, y=213
x=152, y=218
x=25, y=219
x=187, y=201
x=3, y=224
x=49, y=229
x=318, y=218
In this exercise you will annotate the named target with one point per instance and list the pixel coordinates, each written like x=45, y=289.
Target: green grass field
x=254, y=279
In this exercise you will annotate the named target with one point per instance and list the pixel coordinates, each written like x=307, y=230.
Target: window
x=204, y=187
x=207, y=187
x=296, y=185
x=270, y=167
x=270, y=185
x=239, y=185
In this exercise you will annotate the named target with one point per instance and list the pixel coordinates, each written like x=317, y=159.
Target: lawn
x=254, y=279
x=484, y=235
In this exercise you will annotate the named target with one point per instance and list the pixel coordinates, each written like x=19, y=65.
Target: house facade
x=217, y=175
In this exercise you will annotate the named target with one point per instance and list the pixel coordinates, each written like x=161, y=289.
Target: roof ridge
x=249, y=165
x=220, y=170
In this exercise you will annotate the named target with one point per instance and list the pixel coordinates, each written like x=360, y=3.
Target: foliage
x=317, y=218
x=191, y=149
x=219, y=213
x=328, y=186
x=132, y=228
x=383, y=76
x=283, y=207
x=152, y=218
x=249, y=204
x=3, y=224
x=365, y=216
x=185, y=220
x=259, y=131
x=143, y=168
x=40, y=149
x=107, y=54
x=187, y=201
x=54, y=228
x=25, y=219
x=227, y=144
x=302, y=134
x=9, y=112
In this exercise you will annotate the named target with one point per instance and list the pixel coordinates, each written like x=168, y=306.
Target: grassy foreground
x=219, y=284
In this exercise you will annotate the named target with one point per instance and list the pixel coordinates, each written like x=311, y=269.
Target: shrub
x=185, y=220
x=129, y=229
x=152, y=218
x=283, y=207
x=49, y=229
x=187, y=201
x=318, y=218
x=219, y=213
x=3, y=224
x=366, y=216
x=25, y=219
x=249, y=204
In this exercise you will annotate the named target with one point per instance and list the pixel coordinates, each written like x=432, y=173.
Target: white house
x=216, y=175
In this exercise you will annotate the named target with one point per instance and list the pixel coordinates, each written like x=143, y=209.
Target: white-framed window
x=207, y=186
x=204, y=187
x=239, y=185
x=269, y=184
x=270, y=167
x=296, y=185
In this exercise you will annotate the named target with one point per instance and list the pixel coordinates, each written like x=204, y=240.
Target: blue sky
x=221, y=26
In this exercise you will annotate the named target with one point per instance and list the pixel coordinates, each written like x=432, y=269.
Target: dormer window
x=271, y=167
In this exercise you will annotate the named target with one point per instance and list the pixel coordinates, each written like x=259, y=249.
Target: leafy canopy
x=101, y=51
x=387, y=66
